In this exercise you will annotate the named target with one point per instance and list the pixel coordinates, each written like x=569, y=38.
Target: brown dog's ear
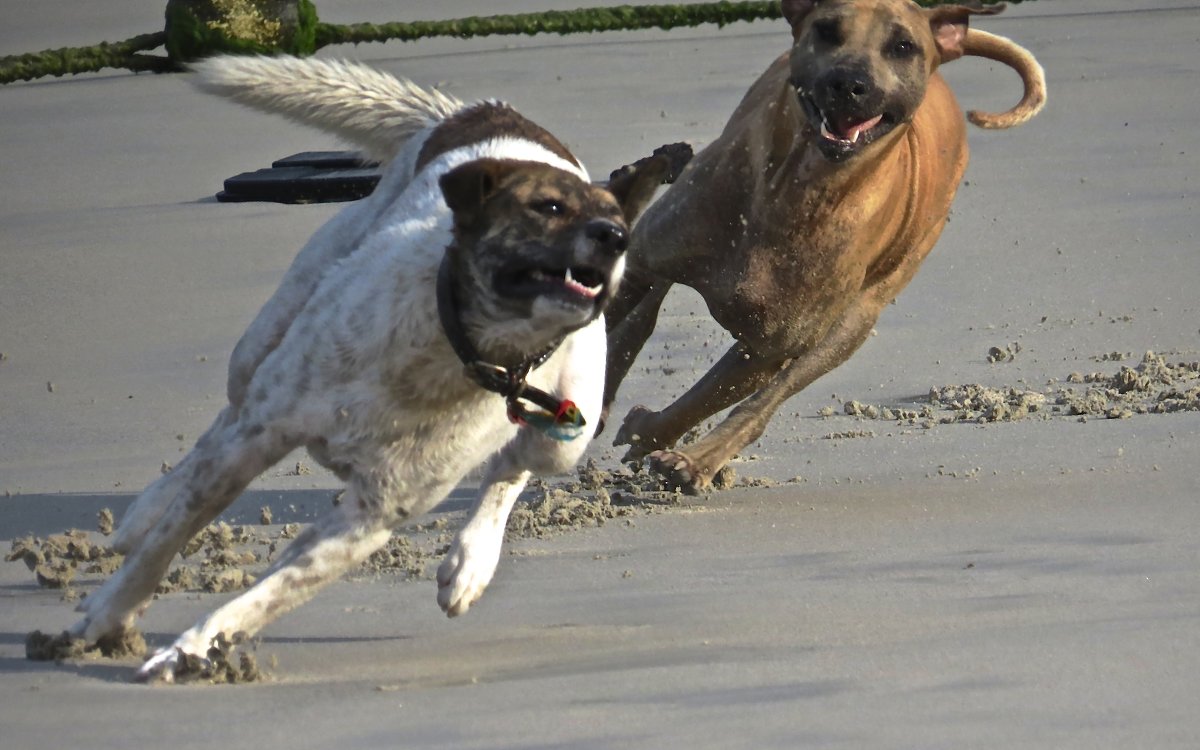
x=633, y=185
x=468, y=186
x=949, y=26
x=794, y=11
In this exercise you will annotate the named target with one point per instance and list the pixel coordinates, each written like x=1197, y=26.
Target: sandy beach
x=889, y=572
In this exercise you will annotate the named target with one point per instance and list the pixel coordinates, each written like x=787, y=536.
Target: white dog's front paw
x=466, y=572
x=162, y=667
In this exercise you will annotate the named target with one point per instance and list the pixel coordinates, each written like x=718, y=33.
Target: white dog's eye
x=549, y=207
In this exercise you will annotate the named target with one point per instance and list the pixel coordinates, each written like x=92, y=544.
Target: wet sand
x=1010, y=563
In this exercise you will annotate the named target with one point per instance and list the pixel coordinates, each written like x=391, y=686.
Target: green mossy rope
x=72, y=60
x=583, y=20
x=124, y=54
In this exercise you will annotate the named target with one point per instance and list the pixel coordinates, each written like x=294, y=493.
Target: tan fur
x=983, y=44
x=796, y=252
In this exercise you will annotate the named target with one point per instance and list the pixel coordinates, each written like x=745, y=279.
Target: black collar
x=508, y=382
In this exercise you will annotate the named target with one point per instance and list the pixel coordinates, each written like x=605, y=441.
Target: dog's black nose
x=610, y=236
x=848, y=84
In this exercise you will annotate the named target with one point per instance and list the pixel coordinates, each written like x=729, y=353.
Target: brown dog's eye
x=902, y=48
x=827, y=32
x=548, y=207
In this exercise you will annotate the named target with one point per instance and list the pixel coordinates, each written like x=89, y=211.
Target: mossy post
x=199, y=28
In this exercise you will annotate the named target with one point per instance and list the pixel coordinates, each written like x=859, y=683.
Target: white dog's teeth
x=591, y=291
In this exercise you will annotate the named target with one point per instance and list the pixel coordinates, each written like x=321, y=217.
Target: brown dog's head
x=860, y=67
x=536, y=247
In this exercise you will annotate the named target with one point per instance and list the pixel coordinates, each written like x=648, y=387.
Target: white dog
x=451, y=318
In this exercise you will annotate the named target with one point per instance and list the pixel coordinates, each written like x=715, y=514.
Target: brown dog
x=812, y=210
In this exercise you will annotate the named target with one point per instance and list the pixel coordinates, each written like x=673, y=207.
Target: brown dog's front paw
x=679, y=471
x=635, y=432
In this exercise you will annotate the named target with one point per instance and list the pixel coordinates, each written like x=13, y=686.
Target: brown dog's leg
x=734, y=377
x=630, y=320
x=692, y=467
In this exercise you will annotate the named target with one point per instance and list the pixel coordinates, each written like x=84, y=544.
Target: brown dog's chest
x=780, y=284
x=777, y=252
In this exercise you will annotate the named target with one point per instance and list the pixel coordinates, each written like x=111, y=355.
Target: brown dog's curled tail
x=1004, y=50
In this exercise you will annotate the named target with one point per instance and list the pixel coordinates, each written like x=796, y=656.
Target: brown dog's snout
x=848, y=85
x=608, y=236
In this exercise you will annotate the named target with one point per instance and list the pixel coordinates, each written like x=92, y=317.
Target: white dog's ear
x=468, y=186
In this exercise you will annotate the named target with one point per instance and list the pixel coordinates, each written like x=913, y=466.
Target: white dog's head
x=538, y=252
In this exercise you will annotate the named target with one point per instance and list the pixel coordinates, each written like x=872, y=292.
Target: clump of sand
x=1154, y=386
x=124, y=644
x=219, y=559
x=977, y=403
x=105, y=523
x=596, y=497
x=218, y=667
x=1004, y=354
x=412, y=553
x=56, y=560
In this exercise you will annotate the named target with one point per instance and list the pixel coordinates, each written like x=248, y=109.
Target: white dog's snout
x=608, y=236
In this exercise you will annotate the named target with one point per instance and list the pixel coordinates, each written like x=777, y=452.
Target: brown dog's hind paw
x=675, y=156
x=679, y=472
x=678, y=155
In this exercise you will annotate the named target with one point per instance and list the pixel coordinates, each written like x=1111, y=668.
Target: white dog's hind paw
x=465, y=573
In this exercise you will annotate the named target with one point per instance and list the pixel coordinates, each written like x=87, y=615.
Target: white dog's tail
x=1004, y=50
x=369, y=108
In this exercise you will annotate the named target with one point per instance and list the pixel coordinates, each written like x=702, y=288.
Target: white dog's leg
x=154, y=501
x=320, y=555
x=475, y=552
x=209, y=478
x=376, y=500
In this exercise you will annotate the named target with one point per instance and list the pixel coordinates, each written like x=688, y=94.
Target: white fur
x=361, y=104
x=349, y=359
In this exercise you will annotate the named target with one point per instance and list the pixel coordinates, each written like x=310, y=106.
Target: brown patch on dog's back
x=484, y=122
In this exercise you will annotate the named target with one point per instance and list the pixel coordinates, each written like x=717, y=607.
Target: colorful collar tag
x=565, y=424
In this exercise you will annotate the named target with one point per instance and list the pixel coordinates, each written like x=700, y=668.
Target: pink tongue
x=854, y=131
